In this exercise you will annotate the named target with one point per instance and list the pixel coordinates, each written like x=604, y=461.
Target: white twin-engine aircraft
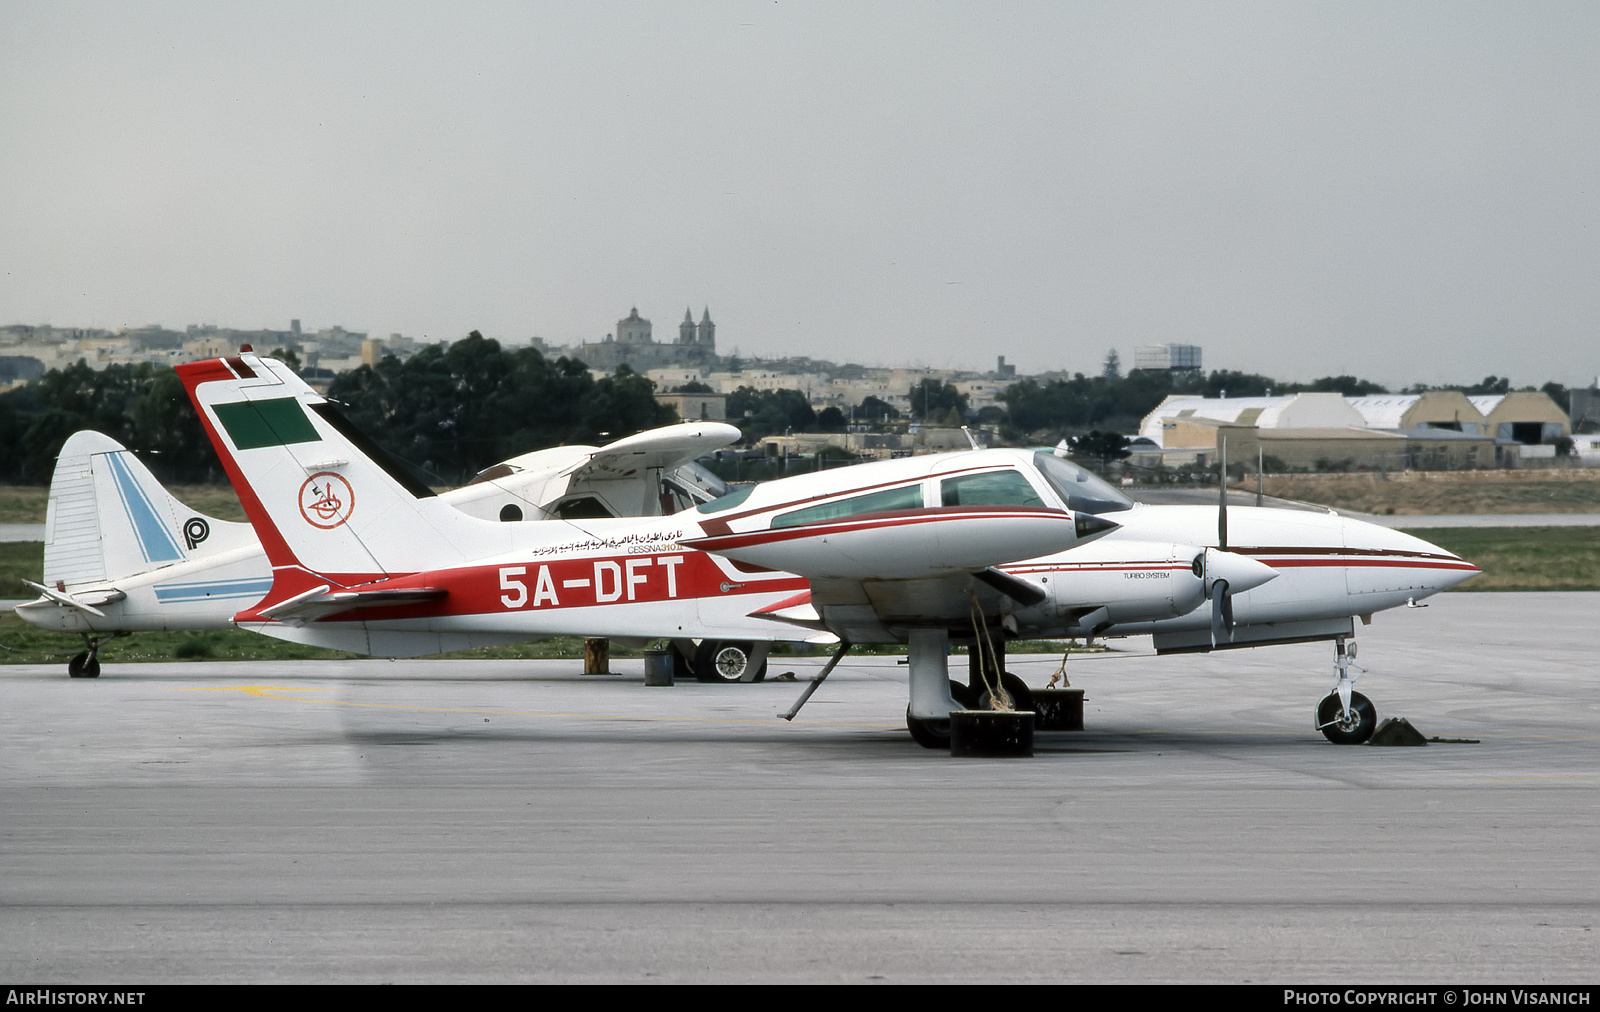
x=916, y=551
x=122, y=555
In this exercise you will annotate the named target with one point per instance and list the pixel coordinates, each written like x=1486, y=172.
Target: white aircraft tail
x=331, y=509
x=109, y=519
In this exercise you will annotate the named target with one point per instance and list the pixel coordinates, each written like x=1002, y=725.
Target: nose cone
x=1430, y=567
x=1241, y=572
x=1448, y=569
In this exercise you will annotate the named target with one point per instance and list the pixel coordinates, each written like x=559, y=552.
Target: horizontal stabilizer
x=322, y=601
x=797, y=610
x=83, y=601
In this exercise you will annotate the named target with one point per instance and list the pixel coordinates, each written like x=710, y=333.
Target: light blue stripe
x=212, y=590
x=154, y=540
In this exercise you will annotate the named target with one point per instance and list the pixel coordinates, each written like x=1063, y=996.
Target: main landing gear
x=1346, y=717
x=722, y=660
x=931, y=732
x=927, y=718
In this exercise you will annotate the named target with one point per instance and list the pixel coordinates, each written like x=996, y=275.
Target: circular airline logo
x=195, y=530
x=326, y=500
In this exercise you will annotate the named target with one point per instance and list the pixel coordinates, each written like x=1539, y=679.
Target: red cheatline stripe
x=867, y=522
x=1402, y=553
x=1370, y=564
x=1092, y=567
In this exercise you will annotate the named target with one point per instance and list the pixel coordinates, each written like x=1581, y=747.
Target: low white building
x=1293, y=411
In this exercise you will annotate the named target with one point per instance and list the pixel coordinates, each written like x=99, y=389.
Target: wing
x=875, y=575
x=667, y=447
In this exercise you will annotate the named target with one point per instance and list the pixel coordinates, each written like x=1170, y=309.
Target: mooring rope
x=1061, y=669
x=999, y=698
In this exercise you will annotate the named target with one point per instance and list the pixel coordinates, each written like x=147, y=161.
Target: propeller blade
x=1221, y=613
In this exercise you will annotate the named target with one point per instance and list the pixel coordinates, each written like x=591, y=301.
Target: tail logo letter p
x=195, y=530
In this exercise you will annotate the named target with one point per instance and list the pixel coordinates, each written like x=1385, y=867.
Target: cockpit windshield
x=700, y=483
x=1080, y=490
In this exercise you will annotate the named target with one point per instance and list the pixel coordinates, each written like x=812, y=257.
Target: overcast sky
x=1403, y=191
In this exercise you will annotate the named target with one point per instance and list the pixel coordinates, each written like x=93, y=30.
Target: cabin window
x=990, y=488
x=908, y=497
x=491, y=473
x=583, y=508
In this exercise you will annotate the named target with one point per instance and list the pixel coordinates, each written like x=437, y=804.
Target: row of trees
x=451, y=411
x=456, y=410
x=141, y=406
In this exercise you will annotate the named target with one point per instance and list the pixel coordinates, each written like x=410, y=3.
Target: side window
x=582, y=508
x=991, y=488
x=907, y=498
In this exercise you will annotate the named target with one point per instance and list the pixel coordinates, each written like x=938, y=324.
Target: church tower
x=635, y=329
x=706, y=332
x=686, y=328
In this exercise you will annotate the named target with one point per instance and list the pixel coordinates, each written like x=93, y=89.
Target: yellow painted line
x=270, y=692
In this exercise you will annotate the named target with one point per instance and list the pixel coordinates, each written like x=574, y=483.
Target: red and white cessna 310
x=914, y=551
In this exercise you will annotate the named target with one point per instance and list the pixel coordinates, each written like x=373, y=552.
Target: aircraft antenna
x=1222, y=496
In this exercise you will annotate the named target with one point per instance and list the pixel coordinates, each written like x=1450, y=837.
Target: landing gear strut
x=1346, y=717
x=933, y=691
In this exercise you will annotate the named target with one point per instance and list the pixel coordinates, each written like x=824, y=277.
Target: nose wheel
x=84, y=665
x=1346, y=726
x=87, y=663
x=1346, y=717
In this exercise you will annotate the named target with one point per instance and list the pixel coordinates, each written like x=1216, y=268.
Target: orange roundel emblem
x=326, y=500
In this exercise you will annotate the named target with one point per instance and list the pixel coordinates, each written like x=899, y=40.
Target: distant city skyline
x=1399, y=192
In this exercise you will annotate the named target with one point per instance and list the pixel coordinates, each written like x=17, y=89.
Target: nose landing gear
x=1344, y=716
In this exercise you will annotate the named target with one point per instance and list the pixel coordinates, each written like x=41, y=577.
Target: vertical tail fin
x=109, y=519
x=324, y=508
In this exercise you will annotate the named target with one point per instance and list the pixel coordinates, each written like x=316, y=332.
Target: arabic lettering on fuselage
x=634, y=544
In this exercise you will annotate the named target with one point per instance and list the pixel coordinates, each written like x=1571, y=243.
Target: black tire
x=1016, y=688
x=928, y=733
x=962, y=693
x=936, y=733
x=726, y=661
x=682, y=664
x=1347, y=732
x=84, y=665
